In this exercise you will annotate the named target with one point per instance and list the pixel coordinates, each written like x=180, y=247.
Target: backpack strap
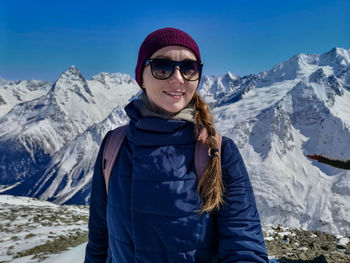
x=111, y=150
x=202, y=152
x=115, y=140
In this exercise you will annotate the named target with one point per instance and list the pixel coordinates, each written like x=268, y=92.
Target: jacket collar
x=140, y=112
x=147, y=128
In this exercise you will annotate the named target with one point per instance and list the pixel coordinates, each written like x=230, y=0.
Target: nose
x=176, y=77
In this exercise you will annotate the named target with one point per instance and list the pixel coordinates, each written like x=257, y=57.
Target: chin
x=174, y=109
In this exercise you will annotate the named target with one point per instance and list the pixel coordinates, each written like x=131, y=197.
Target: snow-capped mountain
x=67, y=179
x=33, y=131
x=226, y=89
x=15, y=92
x=299, y=107
x=277, y=117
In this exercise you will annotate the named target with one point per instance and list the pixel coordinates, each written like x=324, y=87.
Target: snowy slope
x=38, y=231
x=15, y=92
x=276, y=118
x=73, y=255
x=32, y=229
x=67, y=179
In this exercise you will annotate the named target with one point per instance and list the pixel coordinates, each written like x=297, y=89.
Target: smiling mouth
x=174, y=93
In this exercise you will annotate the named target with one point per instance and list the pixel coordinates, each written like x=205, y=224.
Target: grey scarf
x=143, y=105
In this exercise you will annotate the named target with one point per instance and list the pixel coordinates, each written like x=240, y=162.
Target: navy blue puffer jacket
x=149, y=214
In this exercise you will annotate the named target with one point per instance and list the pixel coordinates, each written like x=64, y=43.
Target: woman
x=156, y=209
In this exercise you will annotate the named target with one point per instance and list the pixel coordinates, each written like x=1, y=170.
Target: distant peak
x=229, y=75
x=73, y=80
x=337, y=51
x=338, y=57
x=303, y=58
x=73, y=69
x=72, y=73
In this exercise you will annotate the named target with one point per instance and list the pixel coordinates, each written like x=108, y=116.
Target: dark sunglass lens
x=161, y=69
x=190, y=70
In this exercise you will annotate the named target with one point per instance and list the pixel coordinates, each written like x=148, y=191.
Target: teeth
x=174, y=93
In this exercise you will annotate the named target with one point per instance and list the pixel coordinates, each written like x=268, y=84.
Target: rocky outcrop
x=302, y=246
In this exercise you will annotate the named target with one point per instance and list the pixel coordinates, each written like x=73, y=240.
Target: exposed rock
x=303, y=246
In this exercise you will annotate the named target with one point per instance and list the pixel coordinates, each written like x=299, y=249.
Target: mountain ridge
x=276, y=118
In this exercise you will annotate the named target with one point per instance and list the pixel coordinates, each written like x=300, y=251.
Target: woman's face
x=172, y=94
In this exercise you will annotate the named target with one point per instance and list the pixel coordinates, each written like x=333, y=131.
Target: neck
x=159, y=110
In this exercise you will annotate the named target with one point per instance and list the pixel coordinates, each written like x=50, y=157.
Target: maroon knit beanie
x=161, y=38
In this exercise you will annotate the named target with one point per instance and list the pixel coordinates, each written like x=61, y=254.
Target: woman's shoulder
x=231, y=160
x=228, y=147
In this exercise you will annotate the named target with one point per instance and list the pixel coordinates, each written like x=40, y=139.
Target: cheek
x=145, y=80
x=150, y=84
x=193, y=88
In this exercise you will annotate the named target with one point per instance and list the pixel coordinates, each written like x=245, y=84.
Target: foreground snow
x=73, y=255
x=31, y=229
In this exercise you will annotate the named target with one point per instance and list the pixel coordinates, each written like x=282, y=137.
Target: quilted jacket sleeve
x=97, y=247
x=240, y=237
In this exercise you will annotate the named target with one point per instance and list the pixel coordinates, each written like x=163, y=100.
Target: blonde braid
x=210, y=186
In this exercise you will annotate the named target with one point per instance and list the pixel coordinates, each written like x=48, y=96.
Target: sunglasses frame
x=174, y=65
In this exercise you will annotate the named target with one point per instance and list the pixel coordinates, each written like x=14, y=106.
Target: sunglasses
x=162, y=68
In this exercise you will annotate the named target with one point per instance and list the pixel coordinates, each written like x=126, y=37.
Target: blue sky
x=39, y=39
